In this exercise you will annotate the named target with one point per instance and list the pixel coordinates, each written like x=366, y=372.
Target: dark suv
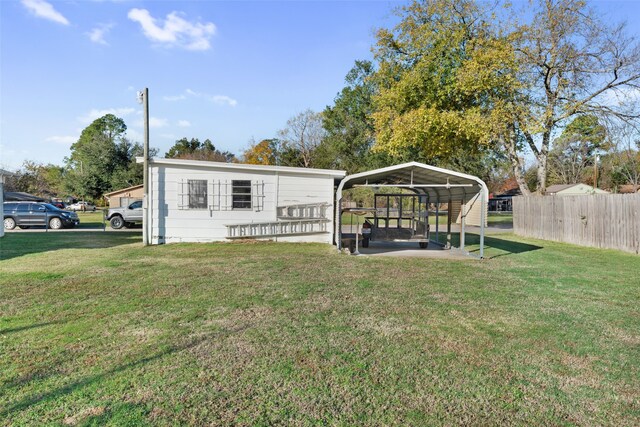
x=32, y=214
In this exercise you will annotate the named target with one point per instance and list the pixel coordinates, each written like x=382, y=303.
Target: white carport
x=437, y=184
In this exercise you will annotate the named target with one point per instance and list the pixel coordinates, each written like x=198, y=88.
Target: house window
x=197, y=193
x=241, y=194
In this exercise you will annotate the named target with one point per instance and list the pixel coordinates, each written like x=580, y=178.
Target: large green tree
x=443, y=77
x=349, y=125
x=95, y=157
x=576, y=149
x=454, y=75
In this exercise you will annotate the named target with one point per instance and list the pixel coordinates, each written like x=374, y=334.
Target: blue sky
x=228, y=71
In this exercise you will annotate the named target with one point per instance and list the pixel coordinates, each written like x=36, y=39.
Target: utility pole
x=145, y=181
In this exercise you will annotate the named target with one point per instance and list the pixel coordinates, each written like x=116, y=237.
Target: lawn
x=92, y=219
x=97, y=329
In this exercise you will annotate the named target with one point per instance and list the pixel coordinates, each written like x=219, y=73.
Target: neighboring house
x=573, y=190
x=503, y=202
x=125, y=196
x=3, y=175
x=199, y=201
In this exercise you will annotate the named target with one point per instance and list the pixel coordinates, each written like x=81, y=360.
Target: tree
x=444, y=74
x=625, y=158
x=195, y=150
x=454, y=76
x=570, y=64
x=38, y=179
x=262, y=153
x=94, y=157
x=348, y=124
x=302, y=136
x=128, y=171
x=575, y=150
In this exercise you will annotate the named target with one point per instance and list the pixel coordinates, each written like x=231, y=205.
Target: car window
x=35, y=207
x=136, y=205
x=23, y=207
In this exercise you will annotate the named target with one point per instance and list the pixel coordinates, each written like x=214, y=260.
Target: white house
x=198, y=201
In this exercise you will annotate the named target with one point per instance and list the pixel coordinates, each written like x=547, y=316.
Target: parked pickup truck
x=125, y=216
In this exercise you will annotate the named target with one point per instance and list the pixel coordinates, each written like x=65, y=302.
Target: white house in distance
x=197, y=201
x=573, y=190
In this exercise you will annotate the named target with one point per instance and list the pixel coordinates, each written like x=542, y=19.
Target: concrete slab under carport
x=411, y=249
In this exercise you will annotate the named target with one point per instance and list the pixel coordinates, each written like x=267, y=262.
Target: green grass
x=96, y=329
x=91, y=219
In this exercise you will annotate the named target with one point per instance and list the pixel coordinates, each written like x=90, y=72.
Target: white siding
x=172, y=223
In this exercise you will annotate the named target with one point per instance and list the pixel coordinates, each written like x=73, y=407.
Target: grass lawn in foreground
x=97, y=329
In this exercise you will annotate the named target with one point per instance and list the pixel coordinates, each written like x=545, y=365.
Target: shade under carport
x=440, y=185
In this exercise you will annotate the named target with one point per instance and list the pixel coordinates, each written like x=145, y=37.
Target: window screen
x=197, y=193
x=241, y=194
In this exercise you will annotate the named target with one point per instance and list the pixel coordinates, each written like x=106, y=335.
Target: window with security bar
x=241, y=194
x=197, y=191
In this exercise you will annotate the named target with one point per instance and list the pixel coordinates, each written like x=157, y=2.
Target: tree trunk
x=542, y=175
x=516, y=165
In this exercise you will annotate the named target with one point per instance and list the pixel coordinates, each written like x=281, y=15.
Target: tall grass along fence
x=602, y=220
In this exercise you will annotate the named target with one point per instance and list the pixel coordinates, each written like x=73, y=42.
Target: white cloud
x=155, y=122
x=184, y=123
x=216, y=99
x=224, y=100
x=98, y=34
x=63, y=140
x=42, y=9
x=174, y=98
x=174, y=30
x=96, y=114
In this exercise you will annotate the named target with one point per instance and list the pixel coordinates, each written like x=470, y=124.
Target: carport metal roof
x=441, y=185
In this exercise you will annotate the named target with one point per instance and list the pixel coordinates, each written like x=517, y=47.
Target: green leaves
x=443, y=79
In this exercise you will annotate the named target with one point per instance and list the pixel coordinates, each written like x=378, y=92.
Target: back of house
x=198, y=201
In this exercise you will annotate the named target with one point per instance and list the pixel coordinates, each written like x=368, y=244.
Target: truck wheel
x=116, y=222
x=423, y=245
x=365, y=242
x=352, y=246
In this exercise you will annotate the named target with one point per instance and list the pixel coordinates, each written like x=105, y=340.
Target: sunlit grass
x=97, y=329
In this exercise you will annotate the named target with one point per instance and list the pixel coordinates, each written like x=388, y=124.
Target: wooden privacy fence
x=602, y=220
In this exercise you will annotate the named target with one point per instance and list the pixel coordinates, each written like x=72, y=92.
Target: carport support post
x=482, y=222
x=463, y=214
x=449, y=224
x=437, y=217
